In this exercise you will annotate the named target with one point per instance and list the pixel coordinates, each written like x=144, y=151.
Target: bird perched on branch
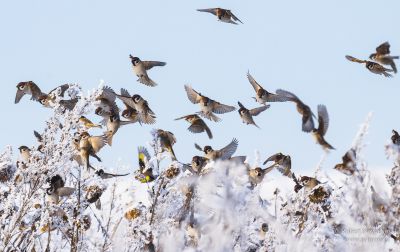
x=145, y=172
x=348, y=165
x=140, y=68
x=208, y=106
x=372, y=66
x=223, y=154
x=104, y=175
x=223, y=15
x=57, y=189
x=136, y=102
x=87, y=123
x=323, y=123
x=90, y=145
x=197, y=125
x=262, y=95
x=247, y=114
x=303, y=109
x=382, y=55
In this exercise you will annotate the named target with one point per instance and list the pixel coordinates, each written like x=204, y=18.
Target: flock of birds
x=137, y=110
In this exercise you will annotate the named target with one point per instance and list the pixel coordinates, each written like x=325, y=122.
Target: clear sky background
x=294, y=45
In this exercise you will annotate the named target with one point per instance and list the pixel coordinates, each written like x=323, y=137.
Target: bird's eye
x=21, y=87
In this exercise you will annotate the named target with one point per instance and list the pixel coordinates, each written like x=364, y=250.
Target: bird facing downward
x=383, y=56
x=223, y=15
x=140, y=68
x=323, y=123
x=197, y=125
x=247, y=114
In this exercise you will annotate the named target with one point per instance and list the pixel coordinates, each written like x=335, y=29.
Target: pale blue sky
x=294, y=45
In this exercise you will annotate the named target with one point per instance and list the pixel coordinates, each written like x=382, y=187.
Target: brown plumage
x=223, y=15
x=223, y=154
x=395, y=137
x=140, y=68
x=90, y=145
x=348, y=165
x=29, y=88
x=247, y=114
x=283, y=163
x=167, y=140
x=372, y=66
x=208, y=106
x=197, y=125
x=323, y=123
x=383, y=56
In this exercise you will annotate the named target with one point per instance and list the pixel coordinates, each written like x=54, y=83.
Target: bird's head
x=207, y=149
x=136, y=98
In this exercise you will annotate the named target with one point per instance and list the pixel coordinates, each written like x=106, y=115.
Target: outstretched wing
x=61, y=89
x=253, y=82
x=323, y=119
x=198, y=147
x=383, y=49
x=272, y=158
x=97, y=142
x=192, y=94
x=287, y=94
x=351, y=58
x=144, y=157
x=211, y=10
x=220, y=108
x=150, y=64
x=234, y=17
x=230, y=149
x=256, y=111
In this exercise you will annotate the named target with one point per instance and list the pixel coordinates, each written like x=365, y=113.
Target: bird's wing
x=211, y=10
x=125, y=93
x=277, y=98
x=144, y=157
x=197, y=127
x=19, y=95
x=253, y=82
x=39, y=137
x=271, y=158
x=230, y=149
x=256, y=111
x=323, y=119
x=198, y=147
x=220, y=108
x=234, y=17
x=307, y=123
x=192, y=94
x=150, y=64
x=182, y=117
x=241, y=105
x=127, y=100
x=36, y=92
x=108, y=93
x=287, y=94
x=383, y=49
x=97, y=142
x=171, y=137
x=350, y=156
x=62, y=88
x=351, y=58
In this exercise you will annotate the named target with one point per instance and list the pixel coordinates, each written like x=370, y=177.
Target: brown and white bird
x=87, y=123
x=247, y=114
x=107, y=105
x=395, y=137
x=383, y=56
x=309, y=182
x=323, y=123
x=262, y=95
x=57, y=189
x=348, y=165
x=223, y=15
x=197, y=125
x=198, y=163
x=208, y=106
x=257, y=174
x=372, y=66
x=223, y=154
x=166, y=140
x=303, y=109
x=27, y=88
x=140, y=68
x=145, y=114
x=89, y=146
x=283, y=163
x=129, y=113
x=48, y=100
x=25, y=153
x=104, y=175
x=113, y=124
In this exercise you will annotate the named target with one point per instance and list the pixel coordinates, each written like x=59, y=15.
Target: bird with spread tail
x=373, y=67
x=197, y=125
x=223, y=154
x=303, y=109
x=247, y=114
x=223, y=15
x=208, y=106
x=382, y=55
x=323, y=123
x=262, y=95
x=140, y=68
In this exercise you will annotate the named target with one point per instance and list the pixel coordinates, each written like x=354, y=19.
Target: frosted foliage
x=216, y=210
